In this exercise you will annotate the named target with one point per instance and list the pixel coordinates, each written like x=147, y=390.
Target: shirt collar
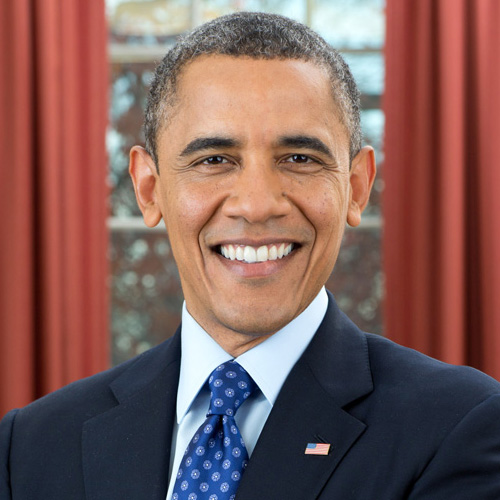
x=201, y=354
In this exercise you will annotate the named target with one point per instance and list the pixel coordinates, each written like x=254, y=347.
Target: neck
x=236, y=343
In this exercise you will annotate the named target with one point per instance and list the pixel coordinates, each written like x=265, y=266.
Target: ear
x=361, y=179
x=145, y=178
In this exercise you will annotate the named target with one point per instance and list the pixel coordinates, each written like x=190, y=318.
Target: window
x=146, y=296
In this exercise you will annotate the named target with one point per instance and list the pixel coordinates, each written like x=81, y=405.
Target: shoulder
x=90, y=396
x=378, y=377
x=409, y=379
x=54, y=427
x=404, y=365
x=446, y=418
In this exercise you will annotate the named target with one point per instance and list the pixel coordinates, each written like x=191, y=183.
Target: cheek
x=188, y=208
x=326, y=208
x=328, y=220
x=330, y=226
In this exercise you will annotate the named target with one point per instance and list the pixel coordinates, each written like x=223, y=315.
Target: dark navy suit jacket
x=400, y=425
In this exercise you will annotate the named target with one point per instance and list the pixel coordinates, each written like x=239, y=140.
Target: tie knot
x=230, y=385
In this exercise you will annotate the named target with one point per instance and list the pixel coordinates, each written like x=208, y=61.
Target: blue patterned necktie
x=216, y=457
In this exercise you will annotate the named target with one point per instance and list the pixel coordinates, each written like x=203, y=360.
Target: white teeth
x=262, y=253
x=273, y=253
x=281, y=251
x=251, y=254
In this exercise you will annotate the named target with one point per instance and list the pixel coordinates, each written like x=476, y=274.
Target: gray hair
x=261, y=36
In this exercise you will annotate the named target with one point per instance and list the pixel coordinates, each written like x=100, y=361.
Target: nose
x=257, y=194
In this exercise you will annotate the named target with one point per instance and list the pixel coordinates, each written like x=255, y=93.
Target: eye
x=302, y=164
x=299, y=159
x=214, y=160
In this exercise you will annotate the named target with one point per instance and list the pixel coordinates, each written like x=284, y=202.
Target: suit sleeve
x=6, y=426
x=467, y=464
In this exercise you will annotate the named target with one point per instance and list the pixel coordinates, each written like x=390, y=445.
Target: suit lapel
x=333, y=372
x=126, y=450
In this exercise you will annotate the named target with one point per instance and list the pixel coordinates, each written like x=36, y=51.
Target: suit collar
x=126, y=449
x=311, y=407
x=338, y=357
x=148, y=367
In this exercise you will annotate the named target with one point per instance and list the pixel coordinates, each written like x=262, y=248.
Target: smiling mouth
x=249, y=254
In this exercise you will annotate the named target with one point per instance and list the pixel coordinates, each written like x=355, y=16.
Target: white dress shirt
x=268, y=363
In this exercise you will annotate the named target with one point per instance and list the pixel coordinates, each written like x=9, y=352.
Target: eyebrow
x=294, y=141
x=305, y=142
x=203, y=143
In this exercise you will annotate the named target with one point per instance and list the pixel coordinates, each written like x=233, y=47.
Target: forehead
x=243, y=72
x=234, y=95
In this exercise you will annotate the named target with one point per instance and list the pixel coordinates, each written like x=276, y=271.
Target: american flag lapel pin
x=317, y=449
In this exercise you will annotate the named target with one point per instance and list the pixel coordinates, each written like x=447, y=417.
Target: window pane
x=147, y=22
x=296, y=9
x=357, y=280
x=368, y=71
x=129, y=85
x=372, y=123
x=354, y=24
x=146, y=293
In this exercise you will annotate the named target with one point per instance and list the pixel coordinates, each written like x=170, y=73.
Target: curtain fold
x=441, y=205
x=53, y=292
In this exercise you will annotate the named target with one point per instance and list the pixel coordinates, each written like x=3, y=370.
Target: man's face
x=254, y=188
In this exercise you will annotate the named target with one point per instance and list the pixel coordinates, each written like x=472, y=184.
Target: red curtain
x=442, y=196
x=53, y=269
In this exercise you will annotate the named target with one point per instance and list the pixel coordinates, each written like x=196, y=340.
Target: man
x=253, y=160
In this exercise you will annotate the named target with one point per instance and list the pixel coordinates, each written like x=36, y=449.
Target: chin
x=256, y=324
